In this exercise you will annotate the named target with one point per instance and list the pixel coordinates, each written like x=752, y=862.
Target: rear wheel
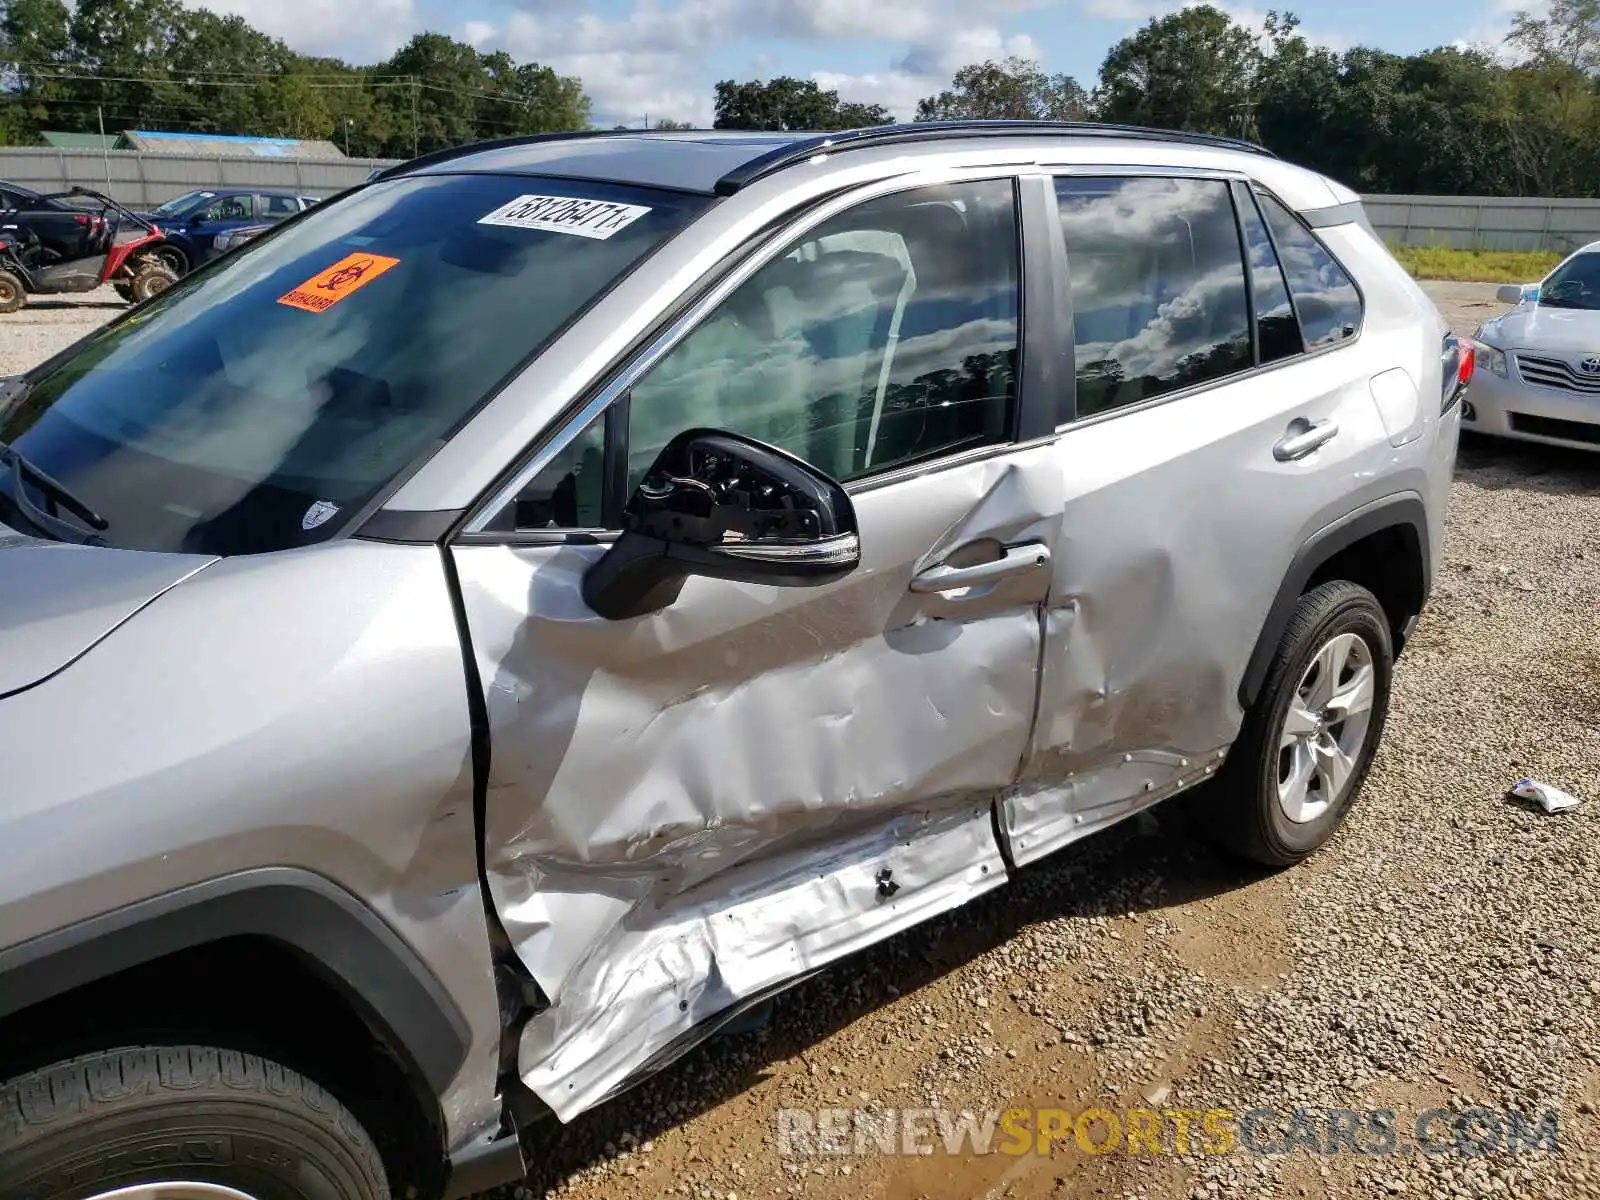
x=1307, y=744
x=175, y=259
x=180, y=1123
x=151, y=277
x=13, y=295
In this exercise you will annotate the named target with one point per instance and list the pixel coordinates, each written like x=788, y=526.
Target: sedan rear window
x=253, y=406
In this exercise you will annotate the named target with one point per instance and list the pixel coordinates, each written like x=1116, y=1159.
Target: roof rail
x=805, y=148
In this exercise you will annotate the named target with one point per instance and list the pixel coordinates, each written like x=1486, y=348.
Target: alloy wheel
x=1325, y=728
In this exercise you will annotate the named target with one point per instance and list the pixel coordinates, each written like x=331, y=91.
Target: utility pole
x=105, y=150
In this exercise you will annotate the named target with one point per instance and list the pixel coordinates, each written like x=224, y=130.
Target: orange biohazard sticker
x=326, y=288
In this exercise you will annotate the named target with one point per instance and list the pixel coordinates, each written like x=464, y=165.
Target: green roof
x=80, y=141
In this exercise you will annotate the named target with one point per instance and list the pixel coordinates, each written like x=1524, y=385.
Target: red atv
x=118, y=250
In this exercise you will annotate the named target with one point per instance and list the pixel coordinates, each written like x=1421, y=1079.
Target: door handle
x=1014, y=560
x=1303, y=438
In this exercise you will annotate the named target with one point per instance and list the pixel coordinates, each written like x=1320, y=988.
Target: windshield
x=179, y=205
x=1574, y=284
x=251, y=404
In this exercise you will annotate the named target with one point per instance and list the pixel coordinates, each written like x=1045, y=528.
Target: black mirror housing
x=726, y=507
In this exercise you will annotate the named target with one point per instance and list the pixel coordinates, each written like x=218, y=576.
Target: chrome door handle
x=1303, y=438
x=1014, y=560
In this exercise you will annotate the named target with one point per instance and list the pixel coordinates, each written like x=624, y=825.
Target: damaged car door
x=1202, y=449
x=708, y=779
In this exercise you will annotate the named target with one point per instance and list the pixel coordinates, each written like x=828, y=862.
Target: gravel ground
x=48, y=325
x=1442, y=952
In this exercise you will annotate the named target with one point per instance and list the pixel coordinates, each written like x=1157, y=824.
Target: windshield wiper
x=59, y=494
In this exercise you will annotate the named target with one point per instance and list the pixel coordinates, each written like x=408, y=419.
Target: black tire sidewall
x=279, y=1138
x=1346, y=608
x=172, y=258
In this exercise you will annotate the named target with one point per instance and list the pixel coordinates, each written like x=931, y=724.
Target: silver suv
x=464, y=647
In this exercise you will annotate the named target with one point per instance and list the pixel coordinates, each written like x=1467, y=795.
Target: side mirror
x=1513, y=293
x=726, y=507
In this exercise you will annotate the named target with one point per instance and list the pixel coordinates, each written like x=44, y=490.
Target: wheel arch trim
x=362, y=957
x=1404, y=510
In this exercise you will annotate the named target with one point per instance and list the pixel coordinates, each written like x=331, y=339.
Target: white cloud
x=1250, y=17
x=653, y=60
x=926, y=68
x=360, y=30
x=1488, y=32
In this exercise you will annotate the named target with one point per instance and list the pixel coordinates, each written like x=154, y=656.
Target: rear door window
x=276, y=206
x=1158, y=289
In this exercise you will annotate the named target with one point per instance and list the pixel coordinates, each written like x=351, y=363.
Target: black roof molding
x=893, y=135
x=805, y=146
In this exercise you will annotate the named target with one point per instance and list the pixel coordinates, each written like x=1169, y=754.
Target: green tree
x=786, y=103
x=1015, y=89
x=1548, y=101
x=37, y=40
x=1192, y=69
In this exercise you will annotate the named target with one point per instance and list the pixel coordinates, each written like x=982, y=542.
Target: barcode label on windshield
x=566, y=214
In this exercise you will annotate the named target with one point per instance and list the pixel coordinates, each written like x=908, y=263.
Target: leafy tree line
x=1525, y=121
x=154, y=64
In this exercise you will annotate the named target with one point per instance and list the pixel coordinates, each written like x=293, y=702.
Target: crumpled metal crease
x=715, y=789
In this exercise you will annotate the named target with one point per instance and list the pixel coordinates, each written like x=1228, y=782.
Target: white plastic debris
x=1551, y=799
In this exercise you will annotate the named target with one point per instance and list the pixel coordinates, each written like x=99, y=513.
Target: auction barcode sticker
x=566, y=214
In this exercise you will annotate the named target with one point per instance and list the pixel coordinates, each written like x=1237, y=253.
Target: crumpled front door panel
x=687, y=809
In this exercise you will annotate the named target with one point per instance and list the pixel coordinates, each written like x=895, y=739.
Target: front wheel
x=13, y=294
x=151, y=277
x=1307, y=744
x=200, y=1122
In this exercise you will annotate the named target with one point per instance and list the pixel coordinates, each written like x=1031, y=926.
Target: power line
x=199, y=79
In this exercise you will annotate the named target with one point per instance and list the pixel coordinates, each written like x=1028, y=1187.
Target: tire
x=13, y=293
x=180, y=1114
x=175, y=259
x=124, y=289
x=1262, y=814
x=150, y=278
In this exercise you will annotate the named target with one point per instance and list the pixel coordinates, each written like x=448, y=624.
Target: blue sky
x=662, y=57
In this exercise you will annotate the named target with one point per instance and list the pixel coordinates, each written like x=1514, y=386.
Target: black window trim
x=1234, y=188
x=1116, y=171
x=611, y=392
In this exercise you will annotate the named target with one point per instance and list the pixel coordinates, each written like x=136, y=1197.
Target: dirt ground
x=1442, y=953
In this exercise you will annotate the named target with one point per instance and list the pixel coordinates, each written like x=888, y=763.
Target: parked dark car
x=193, y=221
x=63, y=228
x=237, y=236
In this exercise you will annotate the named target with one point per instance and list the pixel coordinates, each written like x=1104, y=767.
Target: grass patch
x=1476, y=266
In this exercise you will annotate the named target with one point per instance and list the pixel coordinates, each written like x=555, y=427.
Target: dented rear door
x=1212, y=435
x=688, y=809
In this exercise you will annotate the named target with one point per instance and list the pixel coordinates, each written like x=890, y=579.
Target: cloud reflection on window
x=1158, y=286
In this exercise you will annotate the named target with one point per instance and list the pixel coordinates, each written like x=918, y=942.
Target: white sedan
x=1538, y=376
